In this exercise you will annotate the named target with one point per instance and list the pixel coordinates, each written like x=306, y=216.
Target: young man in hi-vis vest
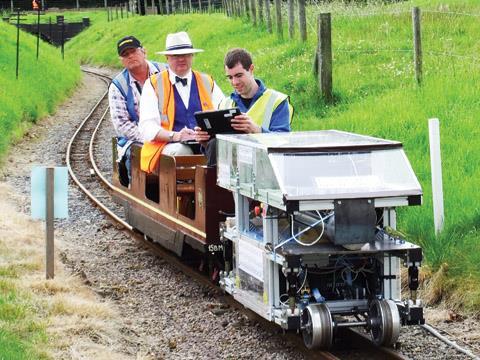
x=263, y=109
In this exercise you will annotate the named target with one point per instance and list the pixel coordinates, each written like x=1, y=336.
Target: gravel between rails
x=165, y=314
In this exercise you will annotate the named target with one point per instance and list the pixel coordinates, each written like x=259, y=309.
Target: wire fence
x=441, y=33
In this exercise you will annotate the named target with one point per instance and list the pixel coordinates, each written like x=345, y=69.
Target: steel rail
x=75, y=178
x=449, y=342
x=354, y=337
x=92, y=159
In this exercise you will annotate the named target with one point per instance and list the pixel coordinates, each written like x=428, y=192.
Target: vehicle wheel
x=384, y=322
x=317, y=326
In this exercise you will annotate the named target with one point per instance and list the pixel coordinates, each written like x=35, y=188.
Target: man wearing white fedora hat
x=169, y=101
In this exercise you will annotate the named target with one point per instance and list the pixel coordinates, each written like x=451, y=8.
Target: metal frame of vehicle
x=352, y=269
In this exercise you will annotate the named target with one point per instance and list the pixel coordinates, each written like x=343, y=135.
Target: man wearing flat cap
x=124, y=99
x=169, y=101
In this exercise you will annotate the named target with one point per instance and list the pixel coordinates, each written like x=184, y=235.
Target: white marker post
x=436, y=166
x=49, y=192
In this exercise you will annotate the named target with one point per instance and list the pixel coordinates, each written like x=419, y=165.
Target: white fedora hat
x=179, y=44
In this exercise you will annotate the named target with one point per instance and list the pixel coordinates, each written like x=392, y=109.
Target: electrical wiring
x=304, y=281
x=282, y=302
x=322, y=220
x=304, y=230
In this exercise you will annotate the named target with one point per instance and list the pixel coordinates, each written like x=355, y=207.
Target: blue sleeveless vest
x=122, y=82
x=184, y=117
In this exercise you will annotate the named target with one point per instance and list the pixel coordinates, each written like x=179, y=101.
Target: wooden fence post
x=325, y=56
x=200, y=6
x=260, y=11
x=268, y=16
x=417, y=44
x=302, y=20
x=254, y=12
x=291, y=18
x=278, y=12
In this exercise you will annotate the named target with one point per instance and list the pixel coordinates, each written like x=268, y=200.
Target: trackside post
x=50, y=268
x=49, y=200
x=436, y=166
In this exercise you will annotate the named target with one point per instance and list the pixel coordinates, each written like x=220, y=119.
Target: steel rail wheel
x=317, y=326
x=384, y=322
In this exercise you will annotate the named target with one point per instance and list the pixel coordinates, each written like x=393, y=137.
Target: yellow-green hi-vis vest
x=262, y=110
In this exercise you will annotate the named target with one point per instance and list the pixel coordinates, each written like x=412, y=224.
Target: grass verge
x=47, y=319
x=41, y=85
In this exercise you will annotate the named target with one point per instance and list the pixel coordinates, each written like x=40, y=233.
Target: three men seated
x=162, y=118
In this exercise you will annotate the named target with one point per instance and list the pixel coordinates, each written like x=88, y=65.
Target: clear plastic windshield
x=329, y=175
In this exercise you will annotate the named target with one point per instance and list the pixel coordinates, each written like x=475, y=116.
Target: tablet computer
x=217, y=121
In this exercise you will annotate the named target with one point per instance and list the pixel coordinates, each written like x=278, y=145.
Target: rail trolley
x=299, y=227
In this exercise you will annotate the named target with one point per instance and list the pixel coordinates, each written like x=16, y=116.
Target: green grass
x=22, y=336
x=375, y=94
x=41, y=85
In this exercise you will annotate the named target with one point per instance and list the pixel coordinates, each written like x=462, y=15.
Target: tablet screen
x=217, y=121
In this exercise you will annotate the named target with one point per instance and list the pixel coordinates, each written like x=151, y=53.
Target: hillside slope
x=42, y=84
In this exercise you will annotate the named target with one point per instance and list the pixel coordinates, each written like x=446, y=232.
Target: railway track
x=83, y=168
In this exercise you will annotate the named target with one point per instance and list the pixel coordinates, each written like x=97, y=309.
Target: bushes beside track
x=375, y=95
x=42, y=84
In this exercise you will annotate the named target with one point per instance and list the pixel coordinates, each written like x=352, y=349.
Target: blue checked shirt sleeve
x=120, y=117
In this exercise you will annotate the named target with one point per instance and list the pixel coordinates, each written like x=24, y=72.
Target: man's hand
x=185, y=134
x=244, y=123
x=201, y=136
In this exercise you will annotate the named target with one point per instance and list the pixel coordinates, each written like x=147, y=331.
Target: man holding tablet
x=263, y=109
x=169, y=101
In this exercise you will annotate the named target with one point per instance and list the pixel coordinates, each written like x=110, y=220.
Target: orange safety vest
x=151, y=150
